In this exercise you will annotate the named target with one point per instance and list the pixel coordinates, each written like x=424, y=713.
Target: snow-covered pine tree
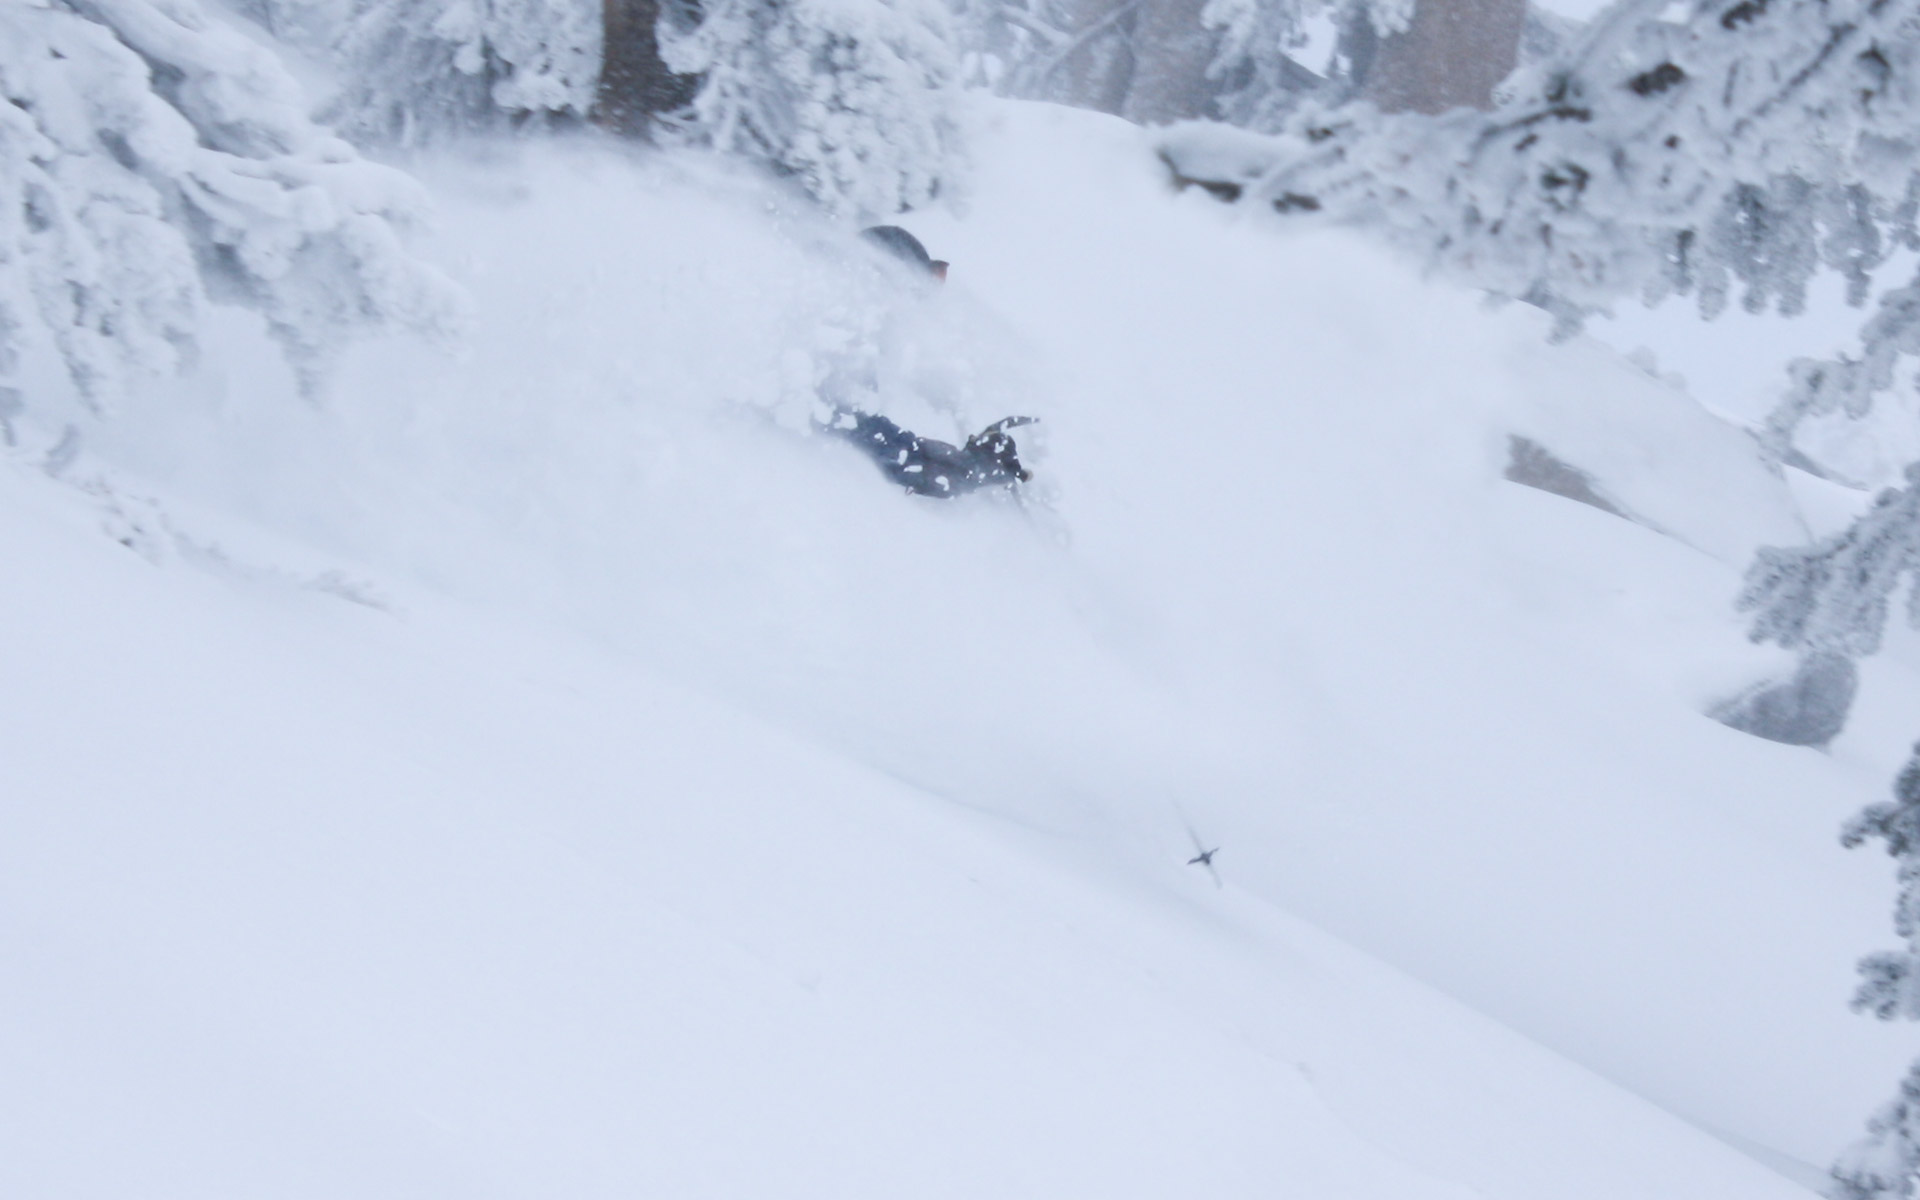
x=422, y=68
x=151, y=158
x=1148, y=60
x=1379, y=57
x=1164, y=60
x=1885, y=1165
x=1075, y=52
x=854, y=98
x=1844, y=199
x=1747, y=143
x=1402, y=55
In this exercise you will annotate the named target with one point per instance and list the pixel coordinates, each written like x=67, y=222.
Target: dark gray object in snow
x=900, y=244
x=1203, y=857
x=897, y=243
x=1808, y=709
x=1533, y=465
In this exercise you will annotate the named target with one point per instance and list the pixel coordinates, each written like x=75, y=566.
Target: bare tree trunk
x=1171, y=53
x=1452, y=56
x=634, y=82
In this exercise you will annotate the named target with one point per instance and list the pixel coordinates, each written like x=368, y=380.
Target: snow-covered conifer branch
x=1749, y=142
x=422, y=68
x=1886, y=1163
x=855, y=98
x=150, y=157
x=1834, y=594
x=1253, y=60
x=1849, y=383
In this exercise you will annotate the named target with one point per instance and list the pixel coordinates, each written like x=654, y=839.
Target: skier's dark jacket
x=933, y=468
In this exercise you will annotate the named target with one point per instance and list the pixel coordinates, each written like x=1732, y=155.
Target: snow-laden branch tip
x=150, y=159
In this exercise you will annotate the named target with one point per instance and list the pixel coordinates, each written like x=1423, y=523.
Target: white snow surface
x=551, y=772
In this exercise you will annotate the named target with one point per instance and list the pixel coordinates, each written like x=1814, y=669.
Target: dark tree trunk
x=634, y=82
x=1452, y=56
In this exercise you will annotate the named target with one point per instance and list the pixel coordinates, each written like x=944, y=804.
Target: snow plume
x=855, y=98
x=421, y=68
x=1886, y=1163
x=150, y=159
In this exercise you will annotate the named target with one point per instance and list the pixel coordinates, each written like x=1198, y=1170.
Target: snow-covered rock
x=1809, y=708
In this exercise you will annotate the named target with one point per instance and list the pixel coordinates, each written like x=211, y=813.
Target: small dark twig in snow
x=1202, y=855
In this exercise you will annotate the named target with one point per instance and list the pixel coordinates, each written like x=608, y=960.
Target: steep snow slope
x=1281, y=585
x=303, y=897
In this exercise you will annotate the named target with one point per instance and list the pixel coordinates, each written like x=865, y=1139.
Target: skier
x=924, y=466
x=932, y=468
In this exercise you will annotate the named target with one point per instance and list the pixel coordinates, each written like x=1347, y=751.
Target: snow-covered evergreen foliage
x=1258, y=41
x=1886, y=1163
x=1834, y=594
x=1890, y=983
x=1748, y=143
x=1041, y=49
x=1260, y=78
x=1850, y=383
x=418, y=68
x=855, y=98
x=1088, y=52
x=149, y=159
